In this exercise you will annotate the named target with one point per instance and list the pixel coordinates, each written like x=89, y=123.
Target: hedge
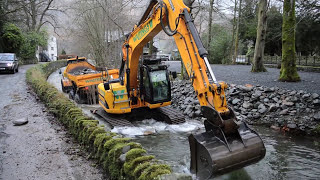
x=120, y=157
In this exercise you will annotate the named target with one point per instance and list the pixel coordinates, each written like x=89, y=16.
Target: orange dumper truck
x=80, y=79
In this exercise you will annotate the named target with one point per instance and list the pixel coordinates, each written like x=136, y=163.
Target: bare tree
x=233, y=27
x=210, y=23
x=34, y=14
x=236, y=46
x=103, y=24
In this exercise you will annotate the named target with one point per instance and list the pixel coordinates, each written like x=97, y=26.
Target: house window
x=52, y=48
x=52, y=55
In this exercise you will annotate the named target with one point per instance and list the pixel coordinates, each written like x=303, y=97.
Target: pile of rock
x=295, y=110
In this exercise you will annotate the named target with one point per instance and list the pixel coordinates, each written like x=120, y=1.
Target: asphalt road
x=241, y=75
x=41, y=149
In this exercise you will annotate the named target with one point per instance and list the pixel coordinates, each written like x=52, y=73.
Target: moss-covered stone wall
x=120, y=157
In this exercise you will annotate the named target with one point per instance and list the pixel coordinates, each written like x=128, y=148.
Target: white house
x=52, y=50
x=49, y=53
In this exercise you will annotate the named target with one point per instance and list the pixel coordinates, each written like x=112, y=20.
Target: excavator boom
x=228, y=143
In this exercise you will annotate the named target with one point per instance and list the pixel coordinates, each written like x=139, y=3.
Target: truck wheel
x=71, y=95
x=77, y=99
x=17, y=70
x=63, y=88
x=13, y=71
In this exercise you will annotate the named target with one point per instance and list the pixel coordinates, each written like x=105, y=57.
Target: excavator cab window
x=160, y=85
x=156, y=85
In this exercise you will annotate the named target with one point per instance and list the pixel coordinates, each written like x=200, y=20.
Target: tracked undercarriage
x=166, y=114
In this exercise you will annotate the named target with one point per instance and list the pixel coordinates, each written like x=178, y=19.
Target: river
x=287, y=157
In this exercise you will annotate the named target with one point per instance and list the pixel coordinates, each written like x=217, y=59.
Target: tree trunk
x=261, y=36
x=33, y=15
x=150, y=47
x=288, y=70
x=236, y=46
x=210, y=23
x=233, y=29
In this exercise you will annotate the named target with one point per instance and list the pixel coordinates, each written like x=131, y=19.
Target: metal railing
x=313, y=61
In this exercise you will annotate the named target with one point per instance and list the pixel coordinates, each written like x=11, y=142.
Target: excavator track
x=169, y=115
x=113, y=120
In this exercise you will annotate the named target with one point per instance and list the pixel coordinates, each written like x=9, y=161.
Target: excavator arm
x=228, y=143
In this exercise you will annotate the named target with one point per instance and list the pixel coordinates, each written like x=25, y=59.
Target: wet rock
x=293, y=93
x=175, y=176
x=125, y=149
x=288, y=103
x=256, y=115
x=257, y=93
x=265, y=100
x=305, y=96
x=273, y=108
x=122, y=158
x=197, y=113
x=245, y=88
x=292, y=125
x=188, y=100
x=247, y=105
x=146, y=133
x=274, y=127
x=263, y=110
x=284, y=112
x=188, y=110
x=235, y=101
x=269, y=89
x=316, y=102
x=317, y=116
x=315, y=95
x=20, y=122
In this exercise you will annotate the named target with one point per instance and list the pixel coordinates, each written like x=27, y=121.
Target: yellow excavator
x=227, y=143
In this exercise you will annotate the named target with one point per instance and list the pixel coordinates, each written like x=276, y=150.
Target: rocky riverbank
x=287, y=110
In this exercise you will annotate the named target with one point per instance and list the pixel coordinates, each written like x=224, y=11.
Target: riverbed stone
x=305, y=96
x=235, y=101
x=284, y=112
x=292, y=125
x=20, y=122
x=246, y=88
x=247, y=105
x=315, y=95
x=263, y=110
x=175, y=176
x=317, y=116
x=288, y=103
x=316, y=102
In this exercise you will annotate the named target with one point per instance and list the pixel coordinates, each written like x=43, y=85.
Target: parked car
x=9, y=62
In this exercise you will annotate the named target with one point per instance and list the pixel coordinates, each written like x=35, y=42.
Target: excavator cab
x=154, y=81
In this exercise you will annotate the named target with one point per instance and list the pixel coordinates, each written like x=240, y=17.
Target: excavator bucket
x=215, y=152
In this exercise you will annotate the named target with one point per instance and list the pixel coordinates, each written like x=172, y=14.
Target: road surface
x=241, y=75
x=40, y=149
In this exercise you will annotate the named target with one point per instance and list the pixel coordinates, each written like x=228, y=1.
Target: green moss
x=113, y=159
x=288, y=70
x=140, y=168
x=155, y=170
x=93, y=135
x=86, y=132
x=134, y=153
x=129, y=166
x=112, y=142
